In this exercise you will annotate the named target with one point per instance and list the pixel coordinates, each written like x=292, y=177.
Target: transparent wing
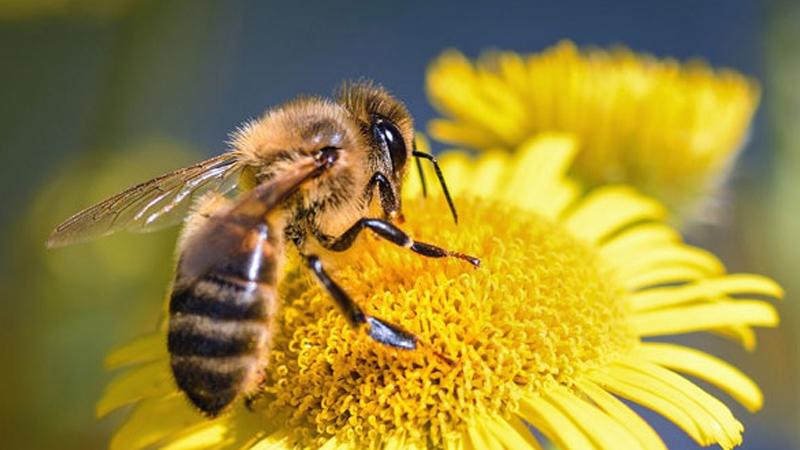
x=222, y=237
x=160, y=202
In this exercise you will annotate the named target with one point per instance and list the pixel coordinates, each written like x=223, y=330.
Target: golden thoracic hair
x=297, y=126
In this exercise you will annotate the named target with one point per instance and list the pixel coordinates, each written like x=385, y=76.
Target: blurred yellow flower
x=546, y=334
x=671, y=130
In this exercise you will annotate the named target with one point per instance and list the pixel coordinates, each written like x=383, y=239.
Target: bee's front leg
x=393, y=234
x=379, y=330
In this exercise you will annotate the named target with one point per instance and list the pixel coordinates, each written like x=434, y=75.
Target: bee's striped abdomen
x=220, y=326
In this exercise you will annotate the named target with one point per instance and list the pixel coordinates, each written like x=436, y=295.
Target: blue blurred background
x=101, y=94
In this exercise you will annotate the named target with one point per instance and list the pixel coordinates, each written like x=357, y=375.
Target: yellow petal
x=670, y=256
x=245, y=429
x=603, y=430
x=652, y=398
x=153, y=420
x=211, y=434
x=558, y=199
x=745, y=283
x=459, y=134
x=608, y=209
x=664, y=275
x=742, y=334
x=660, y=297
x=736, y=284
x=726, y=430
x=488, y=175
x=511, y=436
x=150, y=380
x=333, y=444
x=276, y=441
x=523, y=430
x=479, y=436
x=637, y=239
x=551, y=421
x=476, y=96
x=706, y=367
x=145, y=349
x=539, y=161
x=702, y=317
x=644, y=433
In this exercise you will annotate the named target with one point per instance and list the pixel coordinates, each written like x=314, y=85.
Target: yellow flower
x=548, y=333
x=672, y=130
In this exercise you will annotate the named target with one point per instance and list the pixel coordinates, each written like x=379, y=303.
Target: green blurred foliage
x=85, y=116
x=29, y=9
x=775, y=224
x=71, y=306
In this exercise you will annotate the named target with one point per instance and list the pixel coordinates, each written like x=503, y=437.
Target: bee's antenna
x=421, y=173
x=418, y=154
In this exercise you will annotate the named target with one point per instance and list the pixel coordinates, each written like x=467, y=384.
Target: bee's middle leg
x=393, y=234
x=379, y=330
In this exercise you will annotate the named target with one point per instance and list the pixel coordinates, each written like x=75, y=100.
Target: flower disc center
x=541, y=309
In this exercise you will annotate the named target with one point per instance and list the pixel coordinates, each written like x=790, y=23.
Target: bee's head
x=387, y=128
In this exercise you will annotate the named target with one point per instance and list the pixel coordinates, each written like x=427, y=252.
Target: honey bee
x=306, y=173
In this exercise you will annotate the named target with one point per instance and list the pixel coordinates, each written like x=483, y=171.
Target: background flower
x=673, y=130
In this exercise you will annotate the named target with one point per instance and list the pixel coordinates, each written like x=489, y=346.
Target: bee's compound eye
x=389, y=137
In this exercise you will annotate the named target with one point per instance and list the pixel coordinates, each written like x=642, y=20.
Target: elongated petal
x=742, y=334
x=706, y=367
x=652, y=398
x=145, y=349
x=488, y=176
x=460, y=134
x=208, y=435
x=670, y=256
x=278, y=440
x=705, y=316
x=511, y=435
x=553, y=423
x=725, y=429
x=676, y=273
x=608, y=209
x=636, y=240
x=542, y=160
x=153, y=420
x=147, y=381
x=479, y=436
x=644, y=433
x=734, y=284
x=604, y=431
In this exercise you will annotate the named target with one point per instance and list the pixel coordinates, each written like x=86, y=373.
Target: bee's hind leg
x=379, y=330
